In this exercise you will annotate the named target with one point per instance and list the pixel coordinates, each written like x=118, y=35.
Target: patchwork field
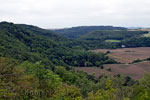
x=136, y=71
x=127, y=55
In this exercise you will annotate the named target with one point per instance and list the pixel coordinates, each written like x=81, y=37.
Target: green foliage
x=112, y=35
x=25, y=42
x=28, y=80
x=142, y=91
x=141, y=60
x=136, y=61
x=137, y=42
x=84, y=82
x=109, y=69
x=22, y=82
x=41, y=66
x=108, y=94
x=68, y=93
x=113, y=39
x=14, y=84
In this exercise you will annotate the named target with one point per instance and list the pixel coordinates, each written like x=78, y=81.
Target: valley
x=75, y=50
x=40, y=64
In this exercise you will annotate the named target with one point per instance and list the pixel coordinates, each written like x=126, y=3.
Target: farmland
x=135, y=71
x=127, y=55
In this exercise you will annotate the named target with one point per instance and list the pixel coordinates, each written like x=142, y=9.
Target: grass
x=112, y=40
x=146, y=35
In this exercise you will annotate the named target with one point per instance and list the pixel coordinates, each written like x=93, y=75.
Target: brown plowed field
x=127, y=55
x=136, y=71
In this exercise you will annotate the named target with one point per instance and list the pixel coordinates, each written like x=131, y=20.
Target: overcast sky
x=68, y=13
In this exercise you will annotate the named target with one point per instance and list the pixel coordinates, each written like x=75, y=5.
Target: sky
x=69, y=13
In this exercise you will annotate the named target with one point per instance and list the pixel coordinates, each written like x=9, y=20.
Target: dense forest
x=26, y=81
x=37, y=64
x=104, y=37
x=115, y=39
x=31, y=43
x=107, y=39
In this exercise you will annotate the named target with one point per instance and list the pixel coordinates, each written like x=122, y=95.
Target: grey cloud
x=67, y=13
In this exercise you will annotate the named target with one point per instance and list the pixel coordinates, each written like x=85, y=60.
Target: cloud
x=67, y=13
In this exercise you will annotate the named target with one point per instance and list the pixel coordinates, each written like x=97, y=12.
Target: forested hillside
x=76, y=32
x=34, y=44
x=115, y=39
x=105, y=37
x=26, y=80
x=37, y=64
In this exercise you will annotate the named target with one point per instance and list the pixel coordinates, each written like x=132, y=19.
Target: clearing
x=113, y=41
x=146, y=35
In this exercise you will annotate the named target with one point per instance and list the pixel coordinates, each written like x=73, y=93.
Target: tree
x=104, y=94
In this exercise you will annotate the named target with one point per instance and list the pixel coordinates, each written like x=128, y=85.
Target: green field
x=146, y=35
x=112, y=40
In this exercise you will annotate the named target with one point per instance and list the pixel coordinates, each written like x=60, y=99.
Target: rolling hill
x=26, y=42
x=36, y=64
x=76, y=32
x=112, y=35
x=115, y=39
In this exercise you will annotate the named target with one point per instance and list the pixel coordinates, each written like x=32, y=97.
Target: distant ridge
x=76, y=32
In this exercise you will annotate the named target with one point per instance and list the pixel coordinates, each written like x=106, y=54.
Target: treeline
x=26, y=81
x=139, y=60
x=137, y=42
